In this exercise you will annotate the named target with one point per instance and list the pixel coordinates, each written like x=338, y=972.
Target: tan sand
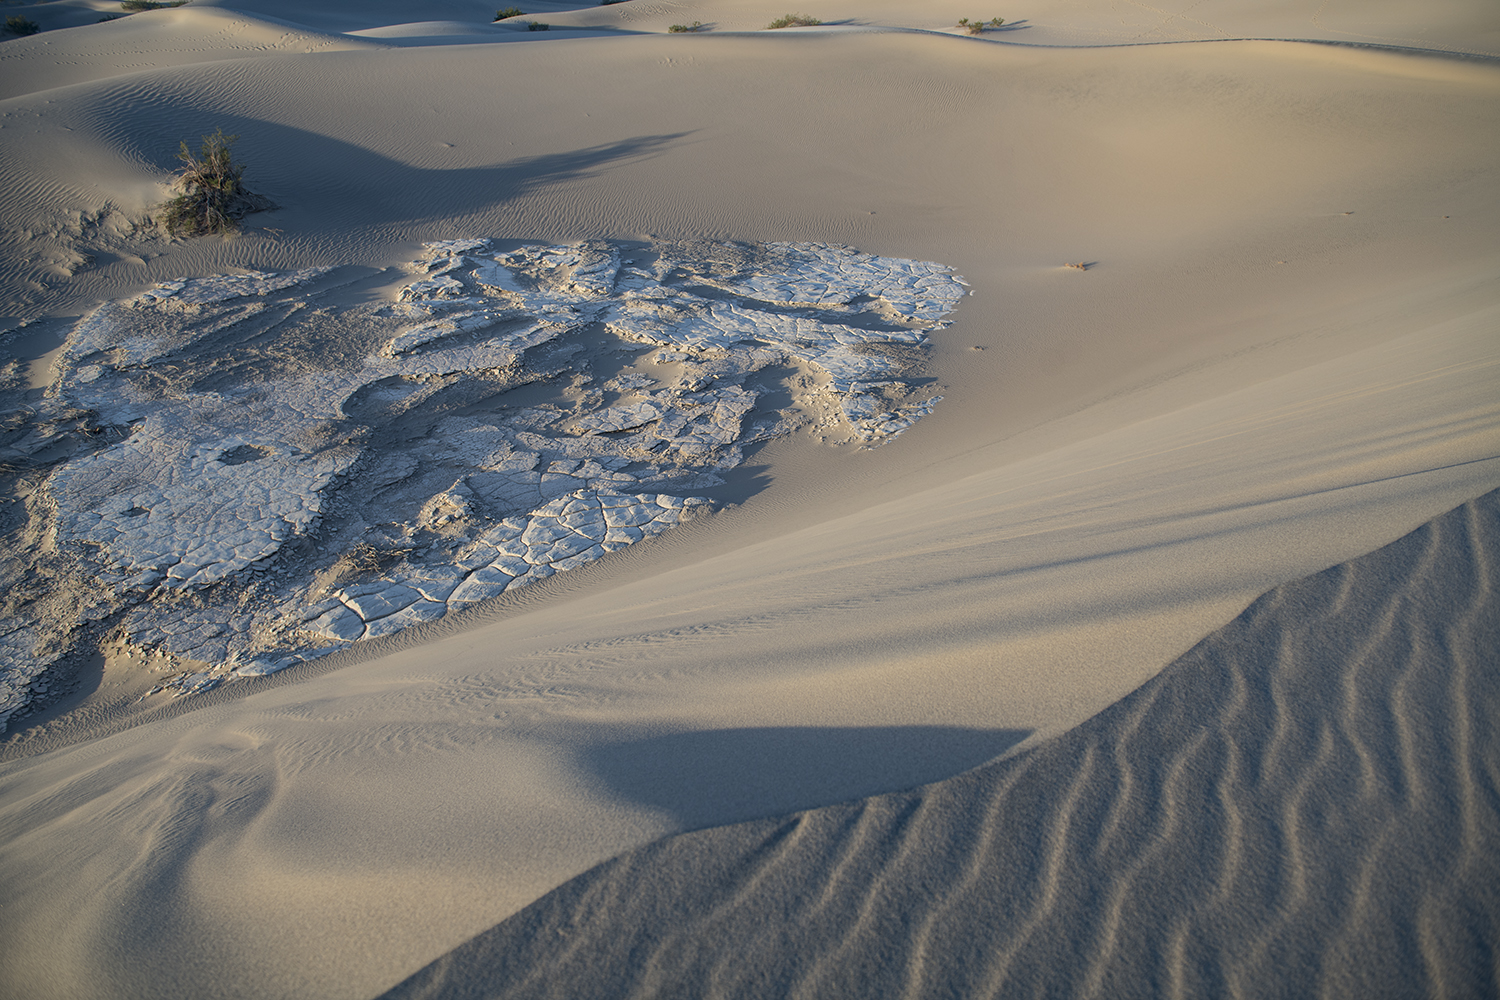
x=1282, y=356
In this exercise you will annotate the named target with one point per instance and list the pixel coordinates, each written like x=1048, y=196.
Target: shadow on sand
x=333, y=183
x=708, y=778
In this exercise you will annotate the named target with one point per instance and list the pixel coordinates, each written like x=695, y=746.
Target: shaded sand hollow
x=1279, y=355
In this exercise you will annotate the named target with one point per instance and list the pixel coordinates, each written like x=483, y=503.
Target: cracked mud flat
x=234, y=474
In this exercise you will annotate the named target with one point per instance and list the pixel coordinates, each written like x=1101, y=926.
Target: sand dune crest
x=1303, y=805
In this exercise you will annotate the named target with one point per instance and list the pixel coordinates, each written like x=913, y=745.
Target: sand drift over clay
x=261, y=476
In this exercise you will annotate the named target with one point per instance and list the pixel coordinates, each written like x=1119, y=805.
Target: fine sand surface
x=1282, y=355
x=1303, y=804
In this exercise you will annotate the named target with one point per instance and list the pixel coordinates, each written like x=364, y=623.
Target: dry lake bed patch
x=233, y=474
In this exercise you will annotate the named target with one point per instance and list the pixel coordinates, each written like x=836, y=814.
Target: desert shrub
x=213, y=197
x=677, y=28
x=135, y=6
x=537, y=26
x=18, y=25
x=109, y=17
x=975, y=27
x=793, y=21
x=501, y=15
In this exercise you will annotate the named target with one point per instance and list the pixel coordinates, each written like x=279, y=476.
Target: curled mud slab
x=259, y=475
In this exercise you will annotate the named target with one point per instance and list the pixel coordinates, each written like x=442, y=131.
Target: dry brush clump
x=794, y=21
x=678, y=29
x=21, y=26
x=213, y=197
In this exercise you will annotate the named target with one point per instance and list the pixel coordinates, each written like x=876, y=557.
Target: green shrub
x=213, y=198
x=975, y=27
x=793, y=21
x=677, y=28
x=18, y=25
x=501, y=15
x=537, y=26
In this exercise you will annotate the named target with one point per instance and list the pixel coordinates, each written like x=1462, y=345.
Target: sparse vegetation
x=136, y=6
x=18, y=25
x=678, y=28
x=213, y=197
x=975, y=27
x=537, y=26
x=501, y=15
x=794, y=21
x=109, y=17
x=1078, y=265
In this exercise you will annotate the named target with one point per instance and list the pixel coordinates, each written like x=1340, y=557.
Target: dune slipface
x=1305, y=804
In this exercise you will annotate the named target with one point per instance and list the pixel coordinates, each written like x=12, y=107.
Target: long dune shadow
x=369, y=14
x=706, y=778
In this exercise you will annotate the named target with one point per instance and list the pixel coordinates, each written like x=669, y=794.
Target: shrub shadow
x=337, y=182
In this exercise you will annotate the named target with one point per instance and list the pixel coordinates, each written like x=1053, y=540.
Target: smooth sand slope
x=1306, y=804
x=1283, y=355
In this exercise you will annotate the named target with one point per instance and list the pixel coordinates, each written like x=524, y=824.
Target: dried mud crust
x=233, y=474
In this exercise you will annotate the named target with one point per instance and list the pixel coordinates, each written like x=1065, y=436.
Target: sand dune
x=1280, y=355
x=175, y=37
x=1302, y=805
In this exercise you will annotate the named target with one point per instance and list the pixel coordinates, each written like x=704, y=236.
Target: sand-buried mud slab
x=1302, y=805
x=263, y=477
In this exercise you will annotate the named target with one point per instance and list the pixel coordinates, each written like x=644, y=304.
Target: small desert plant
x=678, y=28
x=135, y=6
x=975, y=27
x=213, y=197
x=537, y=26
x=18, y=25
x=109, y=17
x=793, y=21
x=501, y=15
